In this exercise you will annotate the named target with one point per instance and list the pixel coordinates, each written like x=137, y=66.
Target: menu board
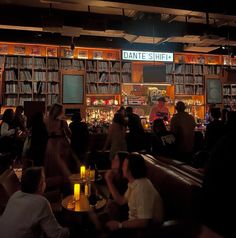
x=73, y=89
x=213, y=91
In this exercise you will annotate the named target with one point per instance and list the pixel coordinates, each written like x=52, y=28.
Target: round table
x=82, y=205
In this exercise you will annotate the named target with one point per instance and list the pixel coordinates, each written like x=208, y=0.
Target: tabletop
x=82, y=205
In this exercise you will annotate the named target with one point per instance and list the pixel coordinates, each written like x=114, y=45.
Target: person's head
x=121, y=110
x=180, y=106
x=76, y=117
x=119, y=119
x=8, y=115
x=19, y=110
x=33, y=180
x=118, y=160
x=129, y=110
x=134, y=167
x=158, y=126
x=55, y=111
x=161, y=101
x=215, y=113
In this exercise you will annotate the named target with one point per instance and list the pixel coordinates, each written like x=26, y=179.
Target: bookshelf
x=29, y=78
x=103, y=77
x=189, y=79
x=229, y=95
x=126, y=72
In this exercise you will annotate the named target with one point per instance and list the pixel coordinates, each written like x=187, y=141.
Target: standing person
x=163, y=141
x=218, y=184
x=182, y=125
x=79, y=136
x=159, y=110
x=116, y=136
x=143, y=200
x=38, y=140
x=136, y=136
x=215, y=129
x=28, y=213
x=57, y=159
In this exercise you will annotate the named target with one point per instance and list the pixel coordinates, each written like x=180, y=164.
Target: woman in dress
x=116, y=136
x=58, y=158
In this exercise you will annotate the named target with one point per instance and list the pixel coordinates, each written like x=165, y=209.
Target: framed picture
x=97, y=55
x=52, y=51
x=36, y=50
x=19, y=50
x=3, y=49
x=213, y=91
x=83, y=54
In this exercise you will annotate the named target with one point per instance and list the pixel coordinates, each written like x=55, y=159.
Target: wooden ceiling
x=200, y=26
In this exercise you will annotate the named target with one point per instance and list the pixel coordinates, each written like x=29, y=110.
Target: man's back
x=144, y=201
x=28, y=216
x=183, y=125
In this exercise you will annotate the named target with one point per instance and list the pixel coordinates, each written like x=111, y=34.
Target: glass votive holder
x=92, y=175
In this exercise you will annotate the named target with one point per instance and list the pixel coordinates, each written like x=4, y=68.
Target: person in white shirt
x=28, y=214
x=144, y=201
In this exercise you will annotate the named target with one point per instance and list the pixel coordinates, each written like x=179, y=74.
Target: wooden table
x=82, y=205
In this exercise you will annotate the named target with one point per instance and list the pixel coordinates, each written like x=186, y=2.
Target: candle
x=86, y=190
x=82, y=171
x=92, y=175
x=77, y=192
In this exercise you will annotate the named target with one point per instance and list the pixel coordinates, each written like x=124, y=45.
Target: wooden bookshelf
x=29, y=78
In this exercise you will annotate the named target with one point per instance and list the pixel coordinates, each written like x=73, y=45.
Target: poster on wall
x=214, y=91
x=111, y=55
x=67, y=53
x=72, y=89
x=97, y=55
x=19, y=50
x=3, y=49
x=36, y=50
x=51, y=51
x=83, y=54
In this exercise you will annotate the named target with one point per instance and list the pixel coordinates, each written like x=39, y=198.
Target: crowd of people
x=56, y=148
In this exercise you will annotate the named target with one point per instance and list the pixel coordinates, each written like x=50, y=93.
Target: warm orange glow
x=77, y=192
x=82, y=171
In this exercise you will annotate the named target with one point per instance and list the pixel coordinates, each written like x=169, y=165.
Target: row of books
x=11, y=62
x=25, y=75
x=10, y=100
x=103, y=89
x=53, y=99
x=10, y=75
x=53, y=88
x=11, y=88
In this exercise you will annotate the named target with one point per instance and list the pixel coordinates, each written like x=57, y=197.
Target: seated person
x=7, y=132
x=28, y=213
x=121, y=183
x=163, y=141
x=144, y=201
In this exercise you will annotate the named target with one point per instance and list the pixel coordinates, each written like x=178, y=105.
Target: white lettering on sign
x=147, y=56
